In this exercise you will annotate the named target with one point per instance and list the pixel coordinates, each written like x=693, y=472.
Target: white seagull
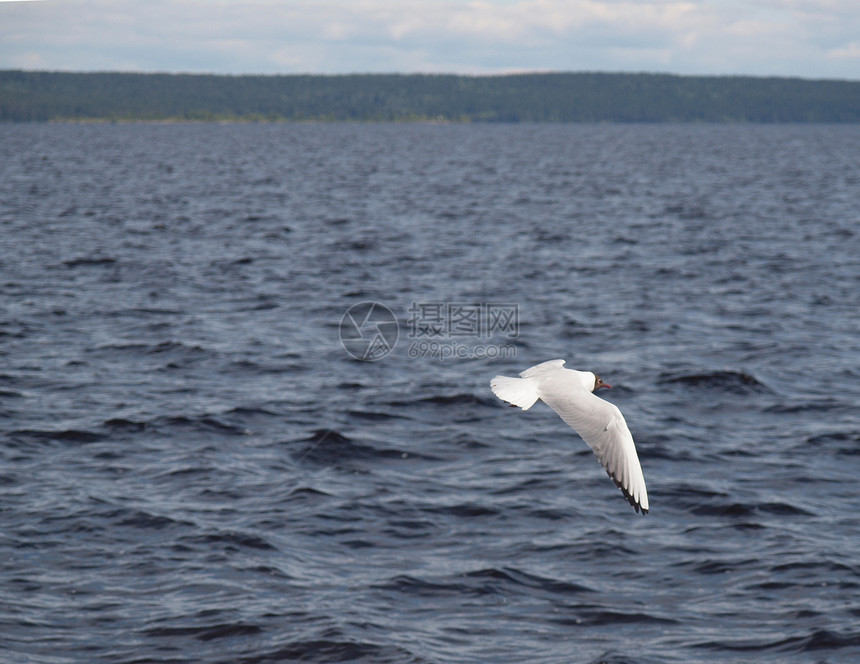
x=600, y=424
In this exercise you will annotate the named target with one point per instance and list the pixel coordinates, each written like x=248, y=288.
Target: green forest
x=551, y=97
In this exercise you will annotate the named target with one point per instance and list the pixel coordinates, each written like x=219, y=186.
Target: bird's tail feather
x=520, y=392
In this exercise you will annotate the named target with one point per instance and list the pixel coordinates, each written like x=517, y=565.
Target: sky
x=805, y=38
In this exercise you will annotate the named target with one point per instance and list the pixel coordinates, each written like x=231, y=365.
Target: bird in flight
x=570, y=393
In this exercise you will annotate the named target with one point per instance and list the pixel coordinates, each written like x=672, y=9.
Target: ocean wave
x=327, y=447
x=61, y=435
x=814, y=641
x=718, y=380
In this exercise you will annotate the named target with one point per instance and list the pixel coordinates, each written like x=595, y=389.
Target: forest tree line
x=550, y=97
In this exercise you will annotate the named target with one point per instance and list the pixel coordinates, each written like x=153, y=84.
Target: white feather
x=520, y=392
x=599, y=423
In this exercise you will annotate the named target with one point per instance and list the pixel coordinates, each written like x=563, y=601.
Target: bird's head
x=598, y=383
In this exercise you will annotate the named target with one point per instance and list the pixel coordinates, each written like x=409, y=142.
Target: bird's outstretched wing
x=601, y=425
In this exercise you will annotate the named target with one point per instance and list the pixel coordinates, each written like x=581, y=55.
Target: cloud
x=787, y=37
x=849, y=51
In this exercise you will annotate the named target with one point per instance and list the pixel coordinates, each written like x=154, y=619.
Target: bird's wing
x=601, y=425
x=549, y=365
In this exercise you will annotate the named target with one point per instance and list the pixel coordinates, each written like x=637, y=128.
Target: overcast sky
x=808, y=38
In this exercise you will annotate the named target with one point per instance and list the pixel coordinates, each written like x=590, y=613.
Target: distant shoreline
x=429, y=98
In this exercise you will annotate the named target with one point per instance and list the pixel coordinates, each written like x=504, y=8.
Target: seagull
x=599, y=423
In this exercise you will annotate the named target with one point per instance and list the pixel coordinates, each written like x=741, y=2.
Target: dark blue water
x=195, y=469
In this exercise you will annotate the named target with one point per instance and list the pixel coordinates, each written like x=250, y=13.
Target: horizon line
x=503, y=74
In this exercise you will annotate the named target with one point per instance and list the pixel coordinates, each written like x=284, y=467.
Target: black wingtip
x=630, y=499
